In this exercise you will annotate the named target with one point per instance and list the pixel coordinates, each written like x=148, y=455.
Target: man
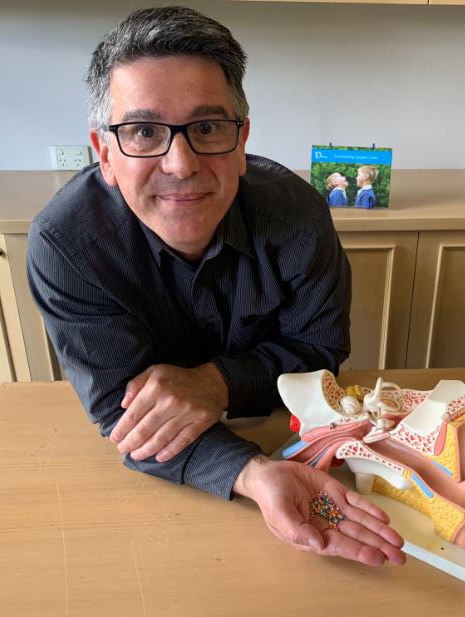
x=177, y=279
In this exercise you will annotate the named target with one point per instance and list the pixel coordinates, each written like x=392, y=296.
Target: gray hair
x=158, y=32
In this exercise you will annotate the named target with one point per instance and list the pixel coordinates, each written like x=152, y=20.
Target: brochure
x=352, y=177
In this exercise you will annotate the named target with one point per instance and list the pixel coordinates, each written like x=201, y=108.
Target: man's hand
x=284, y=491
x=167, y=408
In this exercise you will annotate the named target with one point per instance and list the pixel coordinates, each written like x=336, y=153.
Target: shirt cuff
x=212, y=463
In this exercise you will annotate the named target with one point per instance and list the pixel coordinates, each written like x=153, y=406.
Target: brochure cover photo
x=351, y=176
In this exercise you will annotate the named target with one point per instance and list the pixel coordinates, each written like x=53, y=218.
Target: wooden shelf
x=421, y=199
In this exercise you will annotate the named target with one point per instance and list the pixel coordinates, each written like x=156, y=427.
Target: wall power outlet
x=70, y=157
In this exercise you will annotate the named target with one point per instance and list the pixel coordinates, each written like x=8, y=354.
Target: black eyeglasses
x=150, y=139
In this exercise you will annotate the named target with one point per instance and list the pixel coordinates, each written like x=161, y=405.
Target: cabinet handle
x=2, y=253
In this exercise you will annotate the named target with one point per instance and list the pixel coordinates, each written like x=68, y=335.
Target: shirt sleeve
x=313, y=323
x=101, y=347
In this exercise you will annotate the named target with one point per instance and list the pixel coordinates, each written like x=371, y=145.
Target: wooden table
x=82, y=536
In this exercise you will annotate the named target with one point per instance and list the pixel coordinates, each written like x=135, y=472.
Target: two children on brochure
x=337, y=184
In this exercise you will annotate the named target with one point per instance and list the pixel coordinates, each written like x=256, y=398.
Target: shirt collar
x=235, y=232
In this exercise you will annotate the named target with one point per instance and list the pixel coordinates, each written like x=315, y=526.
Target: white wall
x=349, y=74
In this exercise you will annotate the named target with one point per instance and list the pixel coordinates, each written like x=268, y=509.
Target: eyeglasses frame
x=174, y=130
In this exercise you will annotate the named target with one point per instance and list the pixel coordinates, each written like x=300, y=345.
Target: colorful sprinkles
x=322, y=505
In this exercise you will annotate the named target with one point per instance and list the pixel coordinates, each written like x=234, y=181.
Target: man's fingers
x=352, y=543
x=303, y=537
x=128, y=398
x=340, y=545
x=131, y=418
x=168, y=441
x=356, y=500
x=141, y=432
x=364, y=535
x=179, y=443
x=377, y=540
x=370, y=517
x=289, y=524
x=134, y=386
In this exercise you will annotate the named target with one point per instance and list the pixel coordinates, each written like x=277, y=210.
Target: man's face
x=181, y=196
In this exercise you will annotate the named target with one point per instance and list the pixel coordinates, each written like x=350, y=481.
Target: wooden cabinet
x=13, y=364
x=383, y=269
x=408, y=274
x=408, y=306
x=408, y=269
x=25, y=353
x=437, y=330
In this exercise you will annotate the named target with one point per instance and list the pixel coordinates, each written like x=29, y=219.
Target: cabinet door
x=383, y=265
x=437, y=331
x=29, y=348
x=7, y=373
x=13, y=356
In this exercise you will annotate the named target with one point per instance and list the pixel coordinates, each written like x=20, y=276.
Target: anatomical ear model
x=406, y=444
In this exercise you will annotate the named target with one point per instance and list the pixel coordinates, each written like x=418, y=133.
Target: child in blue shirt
x=336, y=183
x=366, y=197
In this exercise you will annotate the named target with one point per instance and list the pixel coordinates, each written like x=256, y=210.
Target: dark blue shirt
x=271, y=295
x=337, y=197
x=365, y=198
